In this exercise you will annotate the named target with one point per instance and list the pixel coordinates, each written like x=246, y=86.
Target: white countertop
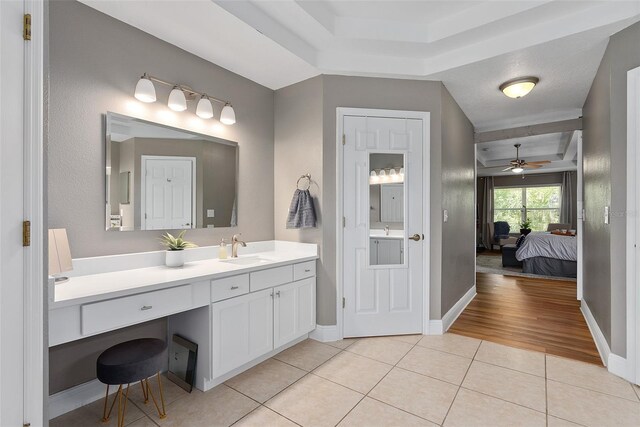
x=98, y=285
x=380, y=234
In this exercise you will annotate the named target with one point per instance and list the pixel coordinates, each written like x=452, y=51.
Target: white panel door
x=168, y=193
x=242, y=329
x=294, y=310
x=381, y=299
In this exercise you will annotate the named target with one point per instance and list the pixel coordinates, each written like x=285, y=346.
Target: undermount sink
x=248, y=260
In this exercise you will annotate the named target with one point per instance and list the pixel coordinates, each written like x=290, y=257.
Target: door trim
x=341, y=112
x=143, y=179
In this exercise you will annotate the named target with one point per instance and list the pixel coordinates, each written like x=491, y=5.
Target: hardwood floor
x=535, y=314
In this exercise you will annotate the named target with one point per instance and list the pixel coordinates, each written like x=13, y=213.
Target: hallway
x=534, y=314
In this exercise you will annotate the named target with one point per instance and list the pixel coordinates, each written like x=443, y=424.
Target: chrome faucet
x=386, y=230
x=234, y=245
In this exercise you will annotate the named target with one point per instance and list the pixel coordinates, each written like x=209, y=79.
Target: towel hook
x=306, y=176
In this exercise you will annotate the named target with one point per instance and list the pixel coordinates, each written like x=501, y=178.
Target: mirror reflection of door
x=167, y=185
x=386, y=200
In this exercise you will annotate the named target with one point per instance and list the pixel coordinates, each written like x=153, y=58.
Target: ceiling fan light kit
x=519, y=165
x=517, y=88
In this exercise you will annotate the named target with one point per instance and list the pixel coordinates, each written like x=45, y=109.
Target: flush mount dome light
x=517, y=88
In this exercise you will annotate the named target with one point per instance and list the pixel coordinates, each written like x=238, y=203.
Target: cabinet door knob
x=306, y=270
x=146, y=307
x=278, y=294
x=233, y=288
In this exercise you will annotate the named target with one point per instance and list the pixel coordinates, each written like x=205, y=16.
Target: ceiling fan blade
x=507, y=169
x=540, y=162
x=531, y=166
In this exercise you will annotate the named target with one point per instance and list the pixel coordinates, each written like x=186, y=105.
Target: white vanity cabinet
x=274, y=313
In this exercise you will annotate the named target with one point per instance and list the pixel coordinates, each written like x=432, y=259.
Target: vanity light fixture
x=146, y=92
x=517, y=88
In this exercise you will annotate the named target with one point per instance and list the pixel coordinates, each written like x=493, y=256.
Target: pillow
x=520, y=240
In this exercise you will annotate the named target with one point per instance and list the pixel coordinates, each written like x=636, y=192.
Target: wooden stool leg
x=106, y=401
x=162, y=414
x=122, y=407
x=106, y=415
x=145, y=394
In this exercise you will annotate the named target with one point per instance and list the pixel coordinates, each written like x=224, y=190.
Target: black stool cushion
x=131, y=361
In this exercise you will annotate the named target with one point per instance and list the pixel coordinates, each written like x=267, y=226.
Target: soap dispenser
x=222, y=252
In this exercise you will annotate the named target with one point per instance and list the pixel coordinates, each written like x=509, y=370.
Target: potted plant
x=525, y=227
x=175, y=248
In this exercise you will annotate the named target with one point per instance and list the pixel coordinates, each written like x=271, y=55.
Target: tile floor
x=414, y=380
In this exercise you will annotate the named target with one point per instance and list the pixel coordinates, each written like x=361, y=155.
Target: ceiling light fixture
x=517, y=88
x=517, y=169
x=146, y=92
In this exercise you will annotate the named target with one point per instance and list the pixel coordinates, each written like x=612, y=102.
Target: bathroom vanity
x=239, y=311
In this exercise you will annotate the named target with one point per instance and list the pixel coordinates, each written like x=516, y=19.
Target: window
x=541, y=205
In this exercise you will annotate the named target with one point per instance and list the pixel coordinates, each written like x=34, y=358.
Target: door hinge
x=26, y=233
x=344, y=139
x=26, y=26
x=344, y=301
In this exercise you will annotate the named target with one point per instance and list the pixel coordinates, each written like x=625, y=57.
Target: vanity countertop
x=380, y=234
x=100, y=278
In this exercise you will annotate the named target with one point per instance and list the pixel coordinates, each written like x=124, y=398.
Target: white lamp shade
x=59, y=253
x=517, y=170
x=204, y=110
x=228, y=116
x=177, y=100
x=145, y=91
x=520, y=87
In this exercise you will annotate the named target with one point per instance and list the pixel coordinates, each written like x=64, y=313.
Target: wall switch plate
x=445, y=215
x=606, y=214
x=211, y=213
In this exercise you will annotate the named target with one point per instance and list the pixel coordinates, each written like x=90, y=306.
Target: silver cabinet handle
x=278, y=294
x=306, y=270
x=233, y=288
x=146, y=307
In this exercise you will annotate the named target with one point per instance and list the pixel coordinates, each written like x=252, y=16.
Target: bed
x=549, y=254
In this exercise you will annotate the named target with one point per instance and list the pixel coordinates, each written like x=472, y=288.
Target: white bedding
x=548, y=245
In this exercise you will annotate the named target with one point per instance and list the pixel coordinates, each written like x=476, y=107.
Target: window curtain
x=486, y=217
x=566, y=199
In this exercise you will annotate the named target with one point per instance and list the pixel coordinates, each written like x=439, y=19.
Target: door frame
x=31, y=283
x=143, y=182
x=341, y=112
x=633, y=227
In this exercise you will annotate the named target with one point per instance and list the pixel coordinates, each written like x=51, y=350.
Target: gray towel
x=302, y=213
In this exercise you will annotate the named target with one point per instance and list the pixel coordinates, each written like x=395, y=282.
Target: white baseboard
x=596, y=333
x=619, y=366
x=439, y=327
x=75, y=397
x=325, y=333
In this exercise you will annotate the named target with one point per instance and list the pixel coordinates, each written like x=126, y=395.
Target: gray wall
x=95, y=62
x=604, y=155
x=458, y=181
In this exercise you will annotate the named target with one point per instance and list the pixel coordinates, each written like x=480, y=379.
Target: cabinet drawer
x=272, y=277
x=304, y=270
x=229, y=287
x=116, y=313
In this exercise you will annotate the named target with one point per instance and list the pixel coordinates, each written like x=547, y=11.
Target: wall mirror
x=386, y=201
x=159, y=177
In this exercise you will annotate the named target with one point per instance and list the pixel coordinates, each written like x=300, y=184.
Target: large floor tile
x=170, y=391
x=451, y=343
x=342, y=344
x=220, y=406
x=383, y=349
x=588, y=376
x=516, y=387
x=307, y=355
x=590, y=408
x=264, y=417
x=527, y=361
x=77, y=418
x=559, y=422
x=143, y=422
x=357, y=372
x=96, y=409
x=409, y=339
x=314, y=401
x=372, y=413
x=265, y=380
x=476, y=409
x=415, y=393
x=437, y=364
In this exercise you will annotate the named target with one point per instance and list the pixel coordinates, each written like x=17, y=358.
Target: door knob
x=415, y=237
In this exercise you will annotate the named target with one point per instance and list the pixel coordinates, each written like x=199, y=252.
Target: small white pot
x=175, y=258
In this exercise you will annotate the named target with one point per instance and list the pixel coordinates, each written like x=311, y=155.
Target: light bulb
x=177, y=100
x=517, y=169
x=145, y=91
x=373, y=173
x=228, y=116
x=204, y=110
x=402, y=171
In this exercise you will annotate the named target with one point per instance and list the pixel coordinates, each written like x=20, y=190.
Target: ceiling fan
x=518, y=165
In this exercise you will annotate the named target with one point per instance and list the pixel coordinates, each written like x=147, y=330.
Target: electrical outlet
x=445, y=215
x=211, y=213
x=606, y=215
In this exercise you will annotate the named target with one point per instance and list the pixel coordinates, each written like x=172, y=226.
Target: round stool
x=127, y=363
